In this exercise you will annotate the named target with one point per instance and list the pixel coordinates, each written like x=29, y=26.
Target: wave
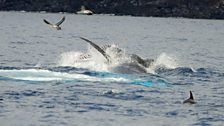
x=199, y=73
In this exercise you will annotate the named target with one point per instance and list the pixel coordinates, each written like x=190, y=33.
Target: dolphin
x=57, y=25
x=138, y=64
x=190, y=100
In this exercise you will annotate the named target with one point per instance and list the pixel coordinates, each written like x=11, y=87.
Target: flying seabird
x=57, y=25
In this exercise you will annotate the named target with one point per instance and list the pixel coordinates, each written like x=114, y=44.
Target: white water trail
x=46, y=75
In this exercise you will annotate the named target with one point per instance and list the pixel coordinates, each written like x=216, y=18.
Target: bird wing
x=47, y=22
x=61, y=21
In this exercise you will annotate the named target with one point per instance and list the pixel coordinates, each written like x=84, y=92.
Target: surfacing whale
x=135, y=65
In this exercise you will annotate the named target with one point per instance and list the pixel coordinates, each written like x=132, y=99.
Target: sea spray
x=165, y=61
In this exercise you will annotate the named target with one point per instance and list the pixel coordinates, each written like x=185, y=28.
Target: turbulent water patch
x=75, y=75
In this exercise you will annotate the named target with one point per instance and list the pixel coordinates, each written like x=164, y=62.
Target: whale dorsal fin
x=98, y=49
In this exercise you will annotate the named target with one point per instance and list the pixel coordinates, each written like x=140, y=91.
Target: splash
x=94, y=60
x=68, y=58
x=165, y=61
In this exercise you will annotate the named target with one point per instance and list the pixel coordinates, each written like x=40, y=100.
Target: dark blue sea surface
x=43, y=84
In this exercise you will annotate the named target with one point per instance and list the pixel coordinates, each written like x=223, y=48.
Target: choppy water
x=42, y=85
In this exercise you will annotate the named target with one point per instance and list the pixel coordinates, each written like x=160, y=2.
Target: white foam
x=46, y=75
x=194, y=70
x=168, y=61
x=96, y=62
x=68, y=58
x=164, y=60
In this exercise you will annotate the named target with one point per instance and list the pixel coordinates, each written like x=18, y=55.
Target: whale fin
x=98, y=49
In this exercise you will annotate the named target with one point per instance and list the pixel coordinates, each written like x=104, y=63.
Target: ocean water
x=43, y=81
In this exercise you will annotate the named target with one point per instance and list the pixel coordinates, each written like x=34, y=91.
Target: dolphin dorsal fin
x=190, y=100
x=191, y=96
x=98, y=49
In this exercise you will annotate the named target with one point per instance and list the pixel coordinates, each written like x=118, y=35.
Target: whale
x=107, y=57
x=57, y=25
x=190, y=100
x=136, y=64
